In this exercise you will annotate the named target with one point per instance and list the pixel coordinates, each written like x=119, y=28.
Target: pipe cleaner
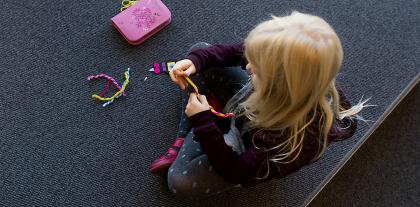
x=106, y=88
x=109, y=102
x=168, y=66
x=211, y=108
x=125, y=4
x=119, y=95
x=103, y=75
x=121, y=90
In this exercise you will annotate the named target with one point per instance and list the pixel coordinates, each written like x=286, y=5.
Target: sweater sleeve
x=218, y=55
x=239, y=169
x=345, y=128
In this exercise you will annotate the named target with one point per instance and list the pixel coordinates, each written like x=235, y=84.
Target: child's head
x=294, y=61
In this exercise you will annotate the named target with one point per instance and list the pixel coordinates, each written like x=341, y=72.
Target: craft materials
x=126, y=4
x=142, y=19
x=127, y=77
x=106, y=88
x=121, y=89
x=109, y=102
x=168, y=66
x=211, y=108
x=157, y=68
x=162, y=67
x=103, y=75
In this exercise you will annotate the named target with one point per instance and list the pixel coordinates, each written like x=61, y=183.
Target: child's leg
x=191, y=176
x=184, y=124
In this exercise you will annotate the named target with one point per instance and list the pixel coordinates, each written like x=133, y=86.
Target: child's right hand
x=182, y=68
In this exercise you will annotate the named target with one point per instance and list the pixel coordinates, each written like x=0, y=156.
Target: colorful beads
x=162, y=67
x=170, y=65
x=157, y=68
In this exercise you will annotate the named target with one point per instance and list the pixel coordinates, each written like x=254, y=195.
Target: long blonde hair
x=296, y=60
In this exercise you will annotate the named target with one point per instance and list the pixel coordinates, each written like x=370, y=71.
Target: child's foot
x=161, y=165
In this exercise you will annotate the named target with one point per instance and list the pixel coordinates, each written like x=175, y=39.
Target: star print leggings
x=191, y=176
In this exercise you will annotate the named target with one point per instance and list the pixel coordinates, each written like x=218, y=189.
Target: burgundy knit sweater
x=245, y=168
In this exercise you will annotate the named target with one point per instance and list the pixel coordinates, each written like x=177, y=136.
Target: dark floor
x=385, y=171
x=58, y=147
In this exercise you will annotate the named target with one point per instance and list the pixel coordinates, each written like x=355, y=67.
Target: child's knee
x=180, y=185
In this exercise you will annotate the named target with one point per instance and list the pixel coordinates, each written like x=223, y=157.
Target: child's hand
x=182, y=68
x=196, y=104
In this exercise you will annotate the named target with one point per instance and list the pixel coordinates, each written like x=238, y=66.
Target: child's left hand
x=196, y=104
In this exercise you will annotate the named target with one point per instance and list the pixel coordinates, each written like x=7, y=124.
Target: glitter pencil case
x=142, y=20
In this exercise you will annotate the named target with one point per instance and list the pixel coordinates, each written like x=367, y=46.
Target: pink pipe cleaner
x=102, y=75
x=106, y=88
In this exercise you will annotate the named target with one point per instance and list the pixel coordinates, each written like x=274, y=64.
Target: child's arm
x=218, y=55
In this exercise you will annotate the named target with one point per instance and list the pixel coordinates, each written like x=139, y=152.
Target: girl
x=287, y=109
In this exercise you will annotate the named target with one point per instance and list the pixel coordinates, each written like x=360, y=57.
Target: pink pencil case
x=142, y=20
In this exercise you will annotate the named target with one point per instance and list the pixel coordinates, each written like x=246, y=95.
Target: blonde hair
x=296, y=60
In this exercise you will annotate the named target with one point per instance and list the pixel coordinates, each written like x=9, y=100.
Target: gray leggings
x=192, y=176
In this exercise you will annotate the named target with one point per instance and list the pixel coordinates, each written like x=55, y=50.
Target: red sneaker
x=161, y=165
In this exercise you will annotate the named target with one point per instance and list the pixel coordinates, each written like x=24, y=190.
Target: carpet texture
x=58, y=147
x=384, y=172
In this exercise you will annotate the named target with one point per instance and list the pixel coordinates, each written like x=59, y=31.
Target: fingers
x=186, y=67
x=189, y=98
x=177, y=80
x=182, y=65
x=202, y=99
x=179, y=72
x=183, y=82
x=197, y=98
x=194, y=105
x=176, y=77
x=193, y=98
x=191, y=70
x=182, y=68
x=188, y=71
x=173, y=78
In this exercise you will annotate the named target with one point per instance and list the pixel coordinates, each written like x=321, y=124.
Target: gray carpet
x=385, y=171
x=60, y=148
